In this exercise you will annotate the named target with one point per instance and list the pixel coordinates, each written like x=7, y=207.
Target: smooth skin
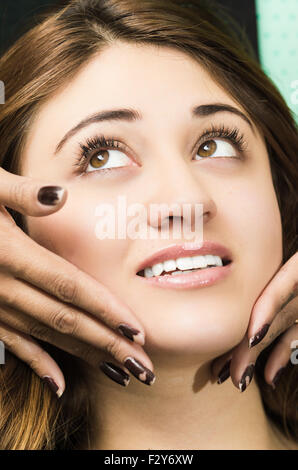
x=185, y=331
x=277, y=307
x=47, y=299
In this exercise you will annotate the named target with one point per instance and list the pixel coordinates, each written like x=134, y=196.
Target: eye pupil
x=99, y=159
x=208, y=148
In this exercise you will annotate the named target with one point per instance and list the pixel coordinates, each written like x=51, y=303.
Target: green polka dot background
x=277, y=25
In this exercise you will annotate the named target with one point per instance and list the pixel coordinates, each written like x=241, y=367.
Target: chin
x=192, y=338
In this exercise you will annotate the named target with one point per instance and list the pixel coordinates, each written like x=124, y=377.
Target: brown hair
x=47, y=56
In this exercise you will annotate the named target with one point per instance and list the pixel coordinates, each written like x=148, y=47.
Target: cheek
x=71, y=234
x=208, y=320
x=257, y=231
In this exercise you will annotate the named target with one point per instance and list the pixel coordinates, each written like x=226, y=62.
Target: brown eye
x=207, y=148
x=215, y=148
x=99, y=159
x=105, y=159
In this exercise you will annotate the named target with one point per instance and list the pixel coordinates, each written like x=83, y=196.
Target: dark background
x=15, y=14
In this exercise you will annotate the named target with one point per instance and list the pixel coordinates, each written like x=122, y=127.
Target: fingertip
x=132, y=333
x=257, y=338
x=224, y=372
x=52, y=384
x=59, y=393
x=139, y=338
x=51, y=197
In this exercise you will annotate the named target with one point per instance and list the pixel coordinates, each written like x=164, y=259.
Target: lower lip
x=197, y=279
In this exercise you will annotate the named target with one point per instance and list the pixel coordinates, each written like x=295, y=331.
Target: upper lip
x=186, y=249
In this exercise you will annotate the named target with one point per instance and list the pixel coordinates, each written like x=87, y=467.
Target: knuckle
x=8, y=296
x=113, y=347
x=38, y=330
x=10, y=341
x=65, y=289
x=65, y=321
x=107, y=312
x=18, y=192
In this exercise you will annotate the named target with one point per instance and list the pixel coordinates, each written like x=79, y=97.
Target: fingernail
x=224, y=372
x=53, y=386
x=50, y=195
x=132, y=333
x=276, y=377
x=139, y=371
x=115, y=373
x=259, y=335
x=246, y=377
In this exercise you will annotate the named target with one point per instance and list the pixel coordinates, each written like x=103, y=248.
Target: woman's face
x=158, y=162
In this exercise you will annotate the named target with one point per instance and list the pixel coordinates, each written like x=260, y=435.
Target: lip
x=197, y=279
x=186, y=249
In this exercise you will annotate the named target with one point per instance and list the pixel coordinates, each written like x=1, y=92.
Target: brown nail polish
x=141, y=372
x=131, y=333
x=259, y=335
x=276, y=377
x=246, y=377
x=115, y=373
x=224, y=373
x=50, y=195
x=52, y=385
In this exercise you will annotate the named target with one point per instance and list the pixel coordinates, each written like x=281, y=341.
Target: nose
x=182, y=196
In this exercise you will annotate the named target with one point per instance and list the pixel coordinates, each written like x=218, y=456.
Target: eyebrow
x=131, y=115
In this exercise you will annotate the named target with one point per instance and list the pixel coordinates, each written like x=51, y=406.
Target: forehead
x=145, y=77
x=162, y=83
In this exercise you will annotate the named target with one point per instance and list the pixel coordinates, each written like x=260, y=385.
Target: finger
x=244, y=358
x=283, y=351
x=29, y=351
x=114, y=370
x=220, y=367
x=59, y=316
x=131, y=356
x=21, y=324
x=6, y=220
x=30, y=196
x=281, y=290
x=29, y=261
x=241, y=367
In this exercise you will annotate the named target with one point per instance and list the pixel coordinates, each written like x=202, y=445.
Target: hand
x=44, y=296
x=274, y=313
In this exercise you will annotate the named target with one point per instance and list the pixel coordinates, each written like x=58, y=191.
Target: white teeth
x=169, y=265
x=148, y=272
x=157, y=269
x=210, y=259
x=218, y=260
x=199, y=262
x=183, y=264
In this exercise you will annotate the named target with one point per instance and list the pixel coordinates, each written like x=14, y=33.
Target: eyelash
x=99, y=142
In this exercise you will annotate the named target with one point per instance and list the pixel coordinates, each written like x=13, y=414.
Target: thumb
x=30, y=196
